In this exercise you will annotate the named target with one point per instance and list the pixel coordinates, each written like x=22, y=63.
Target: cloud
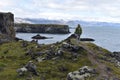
x=100, y=10
x=5, y=3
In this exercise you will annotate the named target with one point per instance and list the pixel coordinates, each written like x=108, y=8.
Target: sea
x=105, y=36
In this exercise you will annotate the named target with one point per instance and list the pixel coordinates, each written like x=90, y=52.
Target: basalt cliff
x=7, y=32
x=41, y=28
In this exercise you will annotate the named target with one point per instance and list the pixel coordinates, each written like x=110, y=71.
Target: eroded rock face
x=42, y=28
x=7, y=32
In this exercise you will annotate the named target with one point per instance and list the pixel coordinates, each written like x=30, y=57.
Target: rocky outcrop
x=116, y=55
x=115, y=58
x=81, y=39
x=81, y=74
x=38, y=36
x=42, y=28
x=87, y=39
x=7, y=32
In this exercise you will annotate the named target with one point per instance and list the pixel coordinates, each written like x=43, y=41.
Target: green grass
x=12, y=57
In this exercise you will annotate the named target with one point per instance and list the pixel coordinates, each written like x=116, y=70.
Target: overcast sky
x=91, y=10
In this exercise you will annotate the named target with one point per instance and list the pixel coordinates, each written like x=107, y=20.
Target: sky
x=89, y=10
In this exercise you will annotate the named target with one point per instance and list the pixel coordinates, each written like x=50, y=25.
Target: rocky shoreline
x=41, y=28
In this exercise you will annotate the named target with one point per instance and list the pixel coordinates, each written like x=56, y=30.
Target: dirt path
x=101, y=68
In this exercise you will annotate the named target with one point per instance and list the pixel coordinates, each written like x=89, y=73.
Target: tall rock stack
x=7, y=32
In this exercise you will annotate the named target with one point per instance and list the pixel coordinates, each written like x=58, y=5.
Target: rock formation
x=42, y=28
x=7, y=32
x=81, y=74
x=38, y=36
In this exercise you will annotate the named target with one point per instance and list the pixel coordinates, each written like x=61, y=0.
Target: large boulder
x=7, y=32
x=81, y=74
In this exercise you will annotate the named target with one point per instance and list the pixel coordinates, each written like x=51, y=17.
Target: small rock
x=31, y=67
x=24, y=44
x=40, y=59
x=66, y=45
x=62, y=68
x=21, y=71
x=59, y=52
x=55, y=58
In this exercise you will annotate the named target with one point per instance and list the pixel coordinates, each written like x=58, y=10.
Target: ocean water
x=107, y=37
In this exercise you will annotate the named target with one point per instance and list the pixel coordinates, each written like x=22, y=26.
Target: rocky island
x=41, y=28
x=38, y=36
x=69, y=59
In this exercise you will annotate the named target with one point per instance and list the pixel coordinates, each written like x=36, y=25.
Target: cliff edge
x=7, y=32
x=41, y=28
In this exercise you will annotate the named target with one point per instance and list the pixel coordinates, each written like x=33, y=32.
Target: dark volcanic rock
x=17, y=39
x=87, y=39
x=116, y=55
x=81, y=39
x=42, y=28
x=71, y=36
x=40, y=37
x=7, y=32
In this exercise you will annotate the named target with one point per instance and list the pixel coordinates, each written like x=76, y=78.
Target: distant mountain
x=71, y=23
x=92, y=23
x=38, y=21
x=22, y=20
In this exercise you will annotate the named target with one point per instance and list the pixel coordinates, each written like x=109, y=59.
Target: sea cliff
x=41, y=28
x=7, y=32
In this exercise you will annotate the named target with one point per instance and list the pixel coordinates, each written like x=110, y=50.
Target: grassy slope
x=12, y=57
